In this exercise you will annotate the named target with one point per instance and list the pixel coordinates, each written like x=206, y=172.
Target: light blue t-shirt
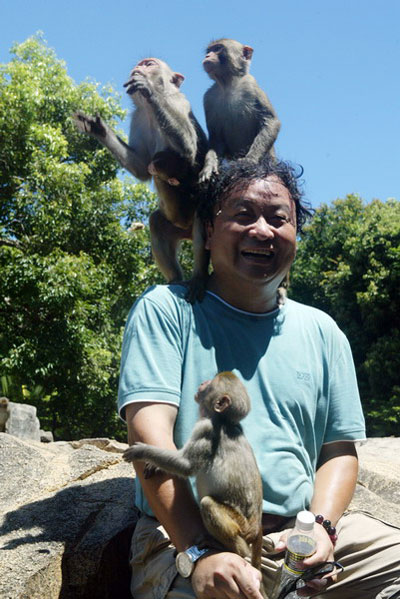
x=295, y=362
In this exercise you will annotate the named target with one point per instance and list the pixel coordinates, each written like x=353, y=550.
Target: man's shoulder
x=310, y=314
x=164, y=293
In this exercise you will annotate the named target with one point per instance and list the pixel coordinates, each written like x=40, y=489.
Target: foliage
x=348, y=264
x=70, y=268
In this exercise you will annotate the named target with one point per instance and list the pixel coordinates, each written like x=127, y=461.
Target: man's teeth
x=259, y=252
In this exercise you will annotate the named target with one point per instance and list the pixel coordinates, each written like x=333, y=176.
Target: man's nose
x=261, y=229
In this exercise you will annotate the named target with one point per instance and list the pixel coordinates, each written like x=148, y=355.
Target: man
x=305, y=418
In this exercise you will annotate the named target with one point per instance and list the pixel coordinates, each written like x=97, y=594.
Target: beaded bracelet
x=327, y=524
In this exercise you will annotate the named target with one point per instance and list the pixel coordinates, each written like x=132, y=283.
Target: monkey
x=164, y=136
x=241, y=120
x=171, y=168
x=4, y=413
x=227, y=477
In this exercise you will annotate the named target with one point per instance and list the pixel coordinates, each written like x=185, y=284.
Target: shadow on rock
x=86, y=528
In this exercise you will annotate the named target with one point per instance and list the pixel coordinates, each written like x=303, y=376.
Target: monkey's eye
x=214, y=49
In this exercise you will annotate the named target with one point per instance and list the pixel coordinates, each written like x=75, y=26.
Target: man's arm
x=335, y=481
x=217, y=575
x=154, y=424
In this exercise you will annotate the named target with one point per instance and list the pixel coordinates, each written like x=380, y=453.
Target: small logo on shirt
x=303, y=376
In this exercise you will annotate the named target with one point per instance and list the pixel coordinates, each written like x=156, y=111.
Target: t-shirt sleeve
x=151, y=359
x=345, y=415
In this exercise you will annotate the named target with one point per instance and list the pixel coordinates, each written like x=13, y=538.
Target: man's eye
x=278, y=219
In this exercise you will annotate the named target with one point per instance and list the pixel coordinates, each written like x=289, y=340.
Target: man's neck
x=255, y=298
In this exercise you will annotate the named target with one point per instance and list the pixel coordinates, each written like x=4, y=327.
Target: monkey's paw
x=92, y=125
x=207, y=172
x=150, y=470
x=196, y=288
x=134, y=452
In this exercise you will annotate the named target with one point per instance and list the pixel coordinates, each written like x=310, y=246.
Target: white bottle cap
x=305, y=520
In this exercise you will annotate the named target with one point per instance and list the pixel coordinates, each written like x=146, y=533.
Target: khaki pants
x=368, y=548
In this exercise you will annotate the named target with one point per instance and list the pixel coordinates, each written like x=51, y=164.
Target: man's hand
x=323, y=553
x=226, y=576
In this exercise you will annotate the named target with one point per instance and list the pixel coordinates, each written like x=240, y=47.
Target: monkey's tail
x=256, y=548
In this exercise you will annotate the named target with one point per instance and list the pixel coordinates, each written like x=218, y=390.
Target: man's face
x=253, y=236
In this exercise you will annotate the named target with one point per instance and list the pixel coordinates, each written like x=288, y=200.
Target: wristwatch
x=185, y=560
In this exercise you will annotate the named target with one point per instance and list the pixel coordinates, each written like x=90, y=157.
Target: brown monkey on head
x=164, y=138
x=240, y=118
x=227, y=477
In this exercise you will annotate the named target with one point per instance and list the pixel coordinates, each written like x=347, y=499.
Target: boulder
x=67, y=514
x=66, y=521
x=22, y=421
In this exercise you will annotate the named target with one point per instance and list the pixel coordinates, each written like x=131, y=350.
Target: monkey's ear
x=247, y=52
x=222, y=404
x=177, y=79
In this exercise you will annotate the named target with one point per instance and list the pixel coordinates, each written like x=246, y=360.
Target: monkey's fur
x=241, y=120
x=227, y=477
x=163, y=129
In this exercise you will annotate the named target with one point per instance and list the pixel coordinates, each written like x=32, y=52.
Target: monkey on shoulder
x=167, y=143
x=240, y=118
x=227, y=477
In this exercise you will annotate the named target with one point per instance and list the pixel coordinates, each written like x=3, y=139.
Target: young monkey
x=241, y=120
x=227, y=477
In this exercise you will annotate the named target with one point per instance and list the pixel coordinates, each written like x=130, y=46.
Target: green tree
x=70, y=267
x=348, y=264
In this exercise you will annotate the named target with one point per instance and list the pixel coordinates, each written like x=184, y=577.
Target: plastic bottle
x=300, y=544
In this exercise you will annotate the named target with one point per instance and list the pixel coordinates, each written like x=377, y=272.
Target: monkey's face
x=155, y=71
x=226, y=57
x=253, y=238
x=215, y=56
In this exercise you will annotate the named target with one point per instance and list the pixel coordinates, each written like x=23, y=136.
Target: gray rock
x=102, y=443
x=66, y=522
x=46, y=436
x=378, y=488
x=23, y=422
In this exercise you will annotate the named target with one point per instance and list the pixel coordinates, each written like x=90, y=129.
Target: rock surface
x=67, y=514
x=66, y=520
x=23, y=422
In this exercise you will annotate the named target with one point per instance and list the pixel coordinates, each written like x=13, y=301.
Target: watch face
x=184, y=564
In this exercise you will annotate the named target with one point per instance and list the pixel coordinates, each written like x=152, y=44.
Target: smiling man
x=306, y=416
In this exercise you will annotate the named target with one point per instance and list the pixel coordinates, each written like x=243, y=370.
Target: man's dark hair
x=241, y=173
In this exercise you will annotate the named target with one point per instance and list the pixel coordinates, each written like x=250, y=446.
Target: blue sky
x=330, y=67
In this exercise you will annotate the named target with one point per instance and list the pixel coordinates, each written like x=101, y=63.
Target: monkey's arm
x=173, y=117
x=184, y=462
x=266, y=137
x=166, y=459
x=125, y=154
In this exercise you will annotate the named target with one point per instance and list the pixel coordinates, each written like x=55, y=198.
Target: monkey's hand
x=196, y=288
x=210, y=167
x=92, y=125
x=150, y=470
x=138, y=83
x=136, y=452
